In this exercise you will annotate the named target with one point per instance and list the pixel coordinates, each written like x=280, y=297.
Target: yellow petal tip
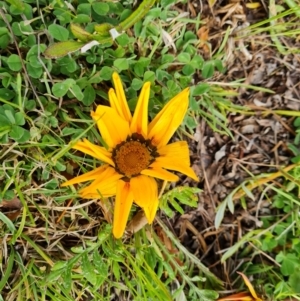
x=147, y=85
x=117, y=234
x=115, y=76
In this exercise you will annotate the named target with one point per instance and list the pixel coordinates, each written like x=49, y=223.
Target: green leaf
x=185, y=195
x=144, y=61
x=294, y=281
x=161, y=75
x=188, y=70
x=58, y=265
x=289, y=263
x=3, y=31
x=89, y=95
x=184, y=58
x=58, y=32
x=54, y=275
x=60, y=89
x=100, y=8
x=219, y=66
x=70, y=131
x=4, y=41
x=81, y=18
x=9, y=114
x=4, y=121
x=8, y=222
x=197, y=61
x=19, y=28
x=220, y=214
x=177, y=207
x=84, y=8
x=149, y=76
x=67, y=277
x=200, y=89
x=9, y=195
x=67, y=65
x=116, y=270
x=101, y=267
x=6, y=94
x=14, y=62
x=123, y=39
x=137, y=84
x=169, y=270
x=103, y=29
x=53, y=121
x=17, y=3
x=80, y=33
x=297, y=122
x=34, y=62
x=139, y=69
x=208, y=69
x=76, y=91
x=63, y=48
x=19, y=118
x=106, y=72
x=16, y=132
x=121, y=64
x=88, y=270
x=34, y=72
x=30, y=105
x=25, y=137
x=167, y=58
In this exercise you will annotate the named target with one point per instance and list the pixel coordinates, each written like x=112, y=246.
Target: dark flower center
x=133, y=155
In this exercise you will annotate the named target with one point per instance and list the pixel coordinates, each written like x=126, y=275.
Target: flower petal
x=166, y=122
x=160, y=173
x=113, y=128
x=177, y=151
x=175, y=156
x=139, y=123
x=91, y=175
x=250, y=287
x=151, y=210
x=95, y=151
x=238, y=297
x=165, y=162
x=118, y=100
x=144, y=190
x=103, y=186
x=123, y=203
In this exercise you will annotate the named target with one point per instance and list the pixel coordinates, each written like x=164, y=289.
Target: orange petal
x=95, y=151
x=164, y=162
x=144, y=190
x=177, y=151
x=151, y=210
x=103, y=186
x=160, y=173
x=175, y=156
x=118, y=100
x=139, y=123
x=91, y=175
x=123, y=203
x=113, y=128
x=250, y=287
x=243, y=296
x=166, y=122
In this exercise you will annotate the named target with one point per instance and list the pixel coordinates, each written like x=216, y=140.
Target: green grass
x=58, y=247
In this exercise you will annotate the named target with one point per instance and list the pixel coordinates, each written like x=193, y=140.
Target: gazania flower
x=136, y=153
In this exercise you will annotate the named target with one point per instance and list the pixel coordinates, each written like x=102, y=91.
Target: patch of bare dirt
x=260, y=138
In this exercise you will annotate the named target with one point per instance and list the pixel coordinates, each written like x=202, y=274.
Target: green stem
x=137, y=15
x=293, y=5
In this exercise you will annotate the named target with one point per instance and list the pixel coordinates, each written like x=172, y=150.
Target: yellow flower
x=137, y=153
